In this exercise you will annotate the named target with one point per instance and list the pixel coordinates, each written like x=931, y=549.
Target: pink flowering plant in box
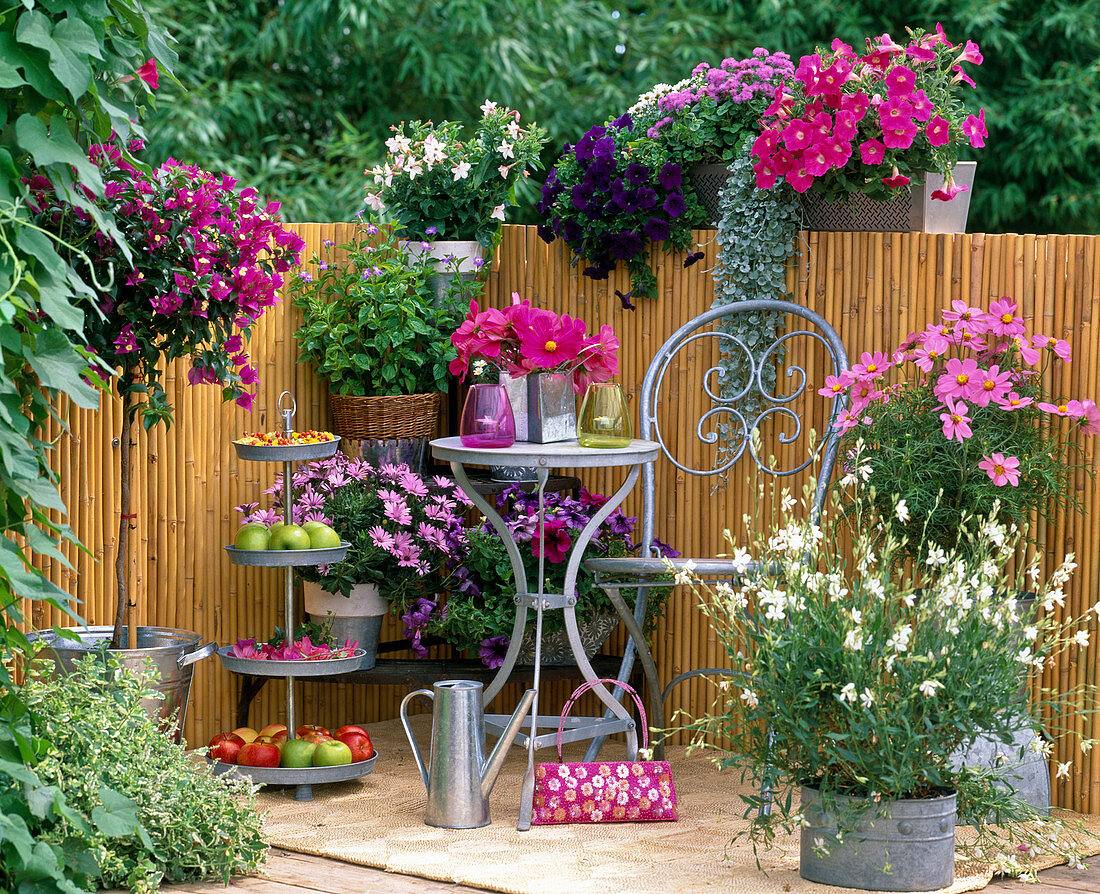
x=403, y=528
x=848, y=122
x=958, y=421
x=521, y=339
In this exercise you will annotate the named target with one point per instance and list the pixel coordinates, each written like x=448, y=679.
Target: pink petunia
x=895, y=180
x=974, y=129
x=971, y=54
x=938, y=131
x=871, y=152
x=948, y=191
x=900, y=80
x=1001, y=469
x=956, y=424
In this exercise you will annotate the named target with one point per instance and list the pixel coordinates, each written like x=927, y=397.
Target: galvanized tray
x=296, y=775
x=293, y=668
x=282, y=558
x=291, y=453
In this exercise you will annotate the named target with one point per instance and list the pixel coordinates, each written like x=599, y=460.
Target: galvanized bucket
x=915, y=838
x=171, y=651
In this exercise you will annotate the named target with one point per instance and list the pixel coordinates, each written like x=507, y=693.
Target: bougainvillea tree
x=204, y=261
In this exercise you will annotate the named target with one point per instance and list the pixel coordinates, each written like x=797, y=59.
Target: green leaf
x=118, y=816
x=56, y=146
x=67, y=45
x=59, y=366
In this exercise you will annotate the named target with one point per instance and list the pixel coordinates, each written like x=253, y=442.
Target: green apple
x=321, y=536
x=297, y=753
x=251, y=536
x=331, y=754
x=289, y=537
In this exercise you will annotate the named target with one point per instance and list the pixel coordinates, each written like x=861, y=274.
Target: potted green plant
x=451, y=191
x=704, y=119
x=957, y=419
x=371, y=326
x=404, y=531
x=856, y=678
x=478, y=612
x=864, y=127
x=204, y=260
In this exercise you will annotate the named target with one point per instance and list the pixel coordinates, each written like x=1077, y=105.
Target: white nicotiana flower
x=749, y=698
x=902, y=511
x=928, y=688
x=399, y=144
x=867, y=698
x=460, y=171
x=848, y=693
x=1081, y=637
x=1063, y=770
x=434, y=151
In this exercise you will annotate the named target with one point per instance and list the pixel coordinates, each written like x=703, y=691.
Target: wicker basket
x=385, y=418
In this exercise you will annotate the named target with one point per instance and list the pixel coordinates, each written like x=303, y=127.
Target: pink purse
x=603, y=791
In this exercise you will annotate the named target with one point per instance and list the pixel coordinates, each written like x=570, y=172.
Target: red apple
x=350, y=728
x=274, y=730
x=332, y=753
x=271, y=740
x=245, y=732
x=259, y=754
x=307, y=728
x=360, y=745
x=225, y=747
x=317, y=737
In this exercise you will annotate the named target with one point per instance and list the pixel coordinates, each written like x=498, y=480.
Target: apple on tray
x=259, y=754
x=321, y=536
x=332, y=753
x=225, y=747
x=307, y=728
x=289, y=537
x=246, y=732
x=298, y=753
x=275, y=731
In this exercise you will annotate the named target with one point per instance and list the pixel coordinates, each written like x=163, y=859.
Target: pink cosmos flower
x=1013, y=401
x=835, y=385
x=244, y=648
x=931, y=349
x=1091, y=420
x=1071, y=408
x=964, y=316
x=974, y=129
x=958, y=379
x=871, y=366
x=1059, y=346
x=956, y=424
x=1001, y=469
x=991, y=386
x=548, y=341
x=1002, y=320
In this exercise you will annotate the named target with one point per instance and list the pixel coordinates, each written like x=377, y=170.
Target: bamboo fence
x=874, y=288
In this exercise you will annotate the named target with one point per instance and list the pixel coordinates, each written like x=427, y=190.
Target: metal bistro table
x=544, y=457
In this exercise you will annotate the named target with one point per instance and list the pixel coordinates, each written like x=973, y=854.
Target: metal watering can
x=459, y=777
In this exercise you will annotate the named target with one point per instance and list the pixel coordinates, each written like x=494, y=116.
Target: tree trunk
x=122, y=606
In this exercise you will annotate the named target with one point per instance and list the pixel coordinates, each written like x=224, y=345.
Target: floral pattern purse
x=603, y=791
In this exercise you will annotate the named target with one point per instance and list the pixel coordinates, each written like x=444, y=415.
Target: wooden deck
x=290, y=873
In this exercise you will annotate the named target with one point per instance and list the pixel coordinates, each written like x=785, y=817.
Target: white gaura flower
x=899, y=642
x=1063, y=572
x=1081, y=637
x=865, y=471
x=867, y=698
x=789, y=502
x=683, y=573
x=875, y=587
x=741, y=560
x=1040, y=747
x=1054, y=597
x=1024, y=656
x=749, y=698
x=853, y=640
x=994, y=532
x=1033, y=574
x=460, y=171
x=1086, y=745
x=848, y=693
x=902, y=511
x=1063, y=770
x=928, y=688
x=936, y=556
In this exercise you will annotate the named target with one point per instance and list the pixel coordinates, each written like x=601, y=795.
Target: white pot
x=364, y=601
x=465, y=251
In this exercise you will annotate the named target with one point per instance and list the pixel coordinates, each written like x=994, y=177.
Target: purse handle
x=589, y=684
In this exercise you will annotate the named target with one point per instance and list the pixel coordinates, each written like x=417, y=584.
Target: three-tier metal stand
x=288, y=560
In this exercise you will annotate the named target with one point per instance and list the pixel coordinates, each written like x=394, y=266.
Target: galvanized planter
x=172, y=652
x=356, y=617
x=915, y=838
x=544, y=406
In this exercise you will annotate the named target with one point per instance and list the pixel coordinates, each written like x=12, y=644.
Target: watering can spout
x=507, y=737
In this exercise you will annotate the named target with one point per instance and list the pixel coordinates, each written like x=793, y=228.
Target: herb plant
x=370, y=322
x=155, y=814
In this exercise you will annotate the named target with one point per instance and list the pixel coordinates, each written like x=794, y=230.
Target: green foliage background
x=298, y=96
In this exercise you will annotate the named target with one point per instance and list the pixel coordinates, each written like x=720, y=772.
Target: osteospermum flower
x=1001, y=469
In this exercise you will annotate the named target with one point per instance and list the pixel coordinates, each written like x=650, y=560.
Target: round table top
x=558, y=455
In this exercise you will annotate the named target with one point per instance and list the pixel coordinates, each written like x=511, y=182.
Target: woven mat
x=378, y=821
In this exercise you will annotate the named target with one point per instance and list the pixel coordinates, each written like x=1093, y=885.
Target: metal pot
x=171, y=651
x=357, y=617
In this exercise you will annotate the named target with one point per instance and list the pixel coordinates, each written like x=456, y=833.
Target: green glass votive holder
x=604, y=420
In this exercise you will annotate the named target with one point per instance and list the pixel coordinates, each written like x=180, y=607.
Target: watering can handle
x=408, y=730
x=203, y=651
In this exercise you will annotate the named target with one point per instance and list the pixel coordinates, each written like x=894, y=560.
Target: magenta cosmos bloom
x=547, y=341
x=956, y=424
x=1001, y=469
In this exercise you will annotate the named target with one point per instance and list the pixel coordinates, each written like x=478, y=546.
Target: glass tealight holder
x=487, y=419
x=605, y=417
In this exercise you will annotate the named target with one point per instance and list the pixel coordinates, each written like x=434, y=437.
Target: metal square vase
x=544, y=406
